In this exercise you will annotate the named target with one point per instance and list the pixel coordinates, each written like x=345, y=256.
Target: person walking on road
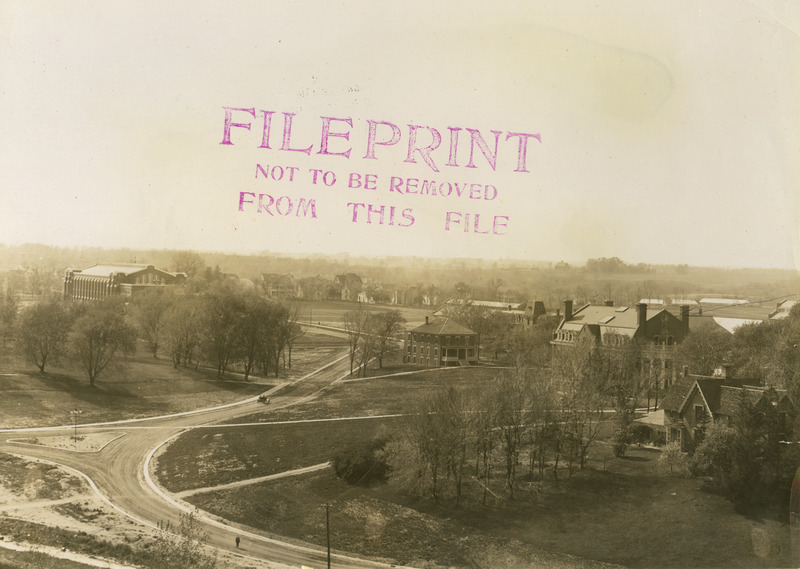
x=237, y=542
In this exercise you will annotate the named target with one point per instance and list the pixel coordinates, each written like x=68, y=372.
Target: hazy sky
x=670, y=131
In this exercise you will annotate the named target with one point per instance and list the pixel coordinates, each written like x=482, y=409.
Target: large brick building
x=441, y=342
x=102, y=281
x=609, y=325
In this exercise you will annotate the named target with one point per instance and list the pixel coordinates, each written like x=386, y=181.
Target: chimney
x=426, y=320
x=685, y=371
x=641, y=308
x=567, y=310
x=685, y=318
x=609, y=302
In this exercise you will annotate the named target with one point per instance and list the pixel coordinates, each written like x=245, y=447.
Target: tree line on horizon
x=219, y=325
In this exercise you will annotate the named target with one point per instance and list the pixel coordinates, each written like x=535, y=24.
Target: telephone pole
x=328, y=531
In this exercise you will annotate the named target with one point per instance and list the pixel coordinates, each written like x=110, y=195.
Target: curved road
x=119, y=470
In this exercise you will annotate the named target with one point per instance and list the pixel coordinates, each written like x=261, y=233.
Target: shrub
x=674, y=458
x=361, y=462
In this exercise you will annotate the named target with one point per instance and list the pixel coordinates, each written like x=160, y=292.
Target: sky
x=659, y=132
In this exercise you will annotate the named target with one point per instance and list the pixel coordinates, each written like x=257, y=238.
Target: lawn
x=630, y=514
x=139, y=386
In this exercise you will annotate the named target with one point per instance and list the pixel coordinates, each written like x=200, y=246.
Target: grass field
x=331, y=312
x=630, y=514
x=622, y=511
x=140, y=386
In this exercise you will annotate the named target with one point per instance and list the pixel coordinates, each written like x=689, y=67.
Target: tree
x=704, y=349
x=581, y=400
x=181, y=329
x=148, y=312
x=264, y=325
x=188, y=262
x=512, y=416
x=224, y=312
x=98, y=336
x=673, y=457
x=386, y=326
x=293, y=330
x=615, y=368
x=43, y=332
x=8, y=316
x=743, y=458
x=355, y=322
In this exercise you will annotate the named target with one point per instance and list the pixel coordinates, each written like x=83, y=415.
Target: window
x=699, y=414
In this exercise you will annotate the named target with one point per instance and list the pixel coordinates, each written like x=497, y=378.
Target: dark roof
x=673, y=400
x=601, y=319
x=442, y=326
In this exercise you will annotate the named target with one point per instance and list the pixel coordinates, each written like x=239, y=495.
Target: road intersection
x=120, y=472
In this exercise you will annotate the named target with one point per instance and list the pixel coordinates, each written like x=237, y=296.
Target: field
x=629, y=514
x=331, y=312
x=140, y=386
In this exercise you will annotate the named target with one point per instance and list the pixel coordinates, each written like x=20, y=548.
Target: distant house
x=695, y=402
x=278, y=286
x=102, y=281
x=349, y=284
x=522, y=313
x=441, y=342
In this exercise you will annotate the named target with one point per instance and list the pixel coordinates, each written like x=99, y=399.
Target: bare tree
x=148, y=312
x=188, y=262
x=355, y=322
x=293, y=330
x=181, y=330
x=386, y=327
x=224, y=311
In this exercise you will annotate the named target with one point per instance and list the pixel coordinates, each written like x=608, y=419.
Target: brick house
x=441, y=342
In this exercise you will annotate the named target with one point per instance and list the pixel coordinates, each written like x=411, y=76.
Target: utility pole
x=75, y=413
x=328, y=531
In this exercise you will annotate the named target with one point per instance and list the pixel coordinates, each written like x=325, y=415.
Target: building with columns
x=103, y=281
